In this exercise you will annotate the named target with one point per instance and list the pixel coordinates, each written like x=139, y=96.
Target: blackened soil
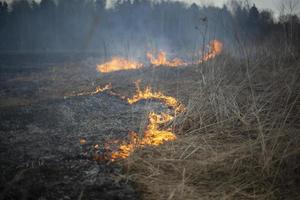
x=41, y=157
x=40, y=153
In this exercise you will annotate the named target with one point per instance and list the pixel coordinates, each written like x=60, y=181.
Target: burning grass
x=237, y=139
x=97, y=90
x=215, y=47
x=149, y=94
x=117, y=64
x=161, y=60
x=153, y=135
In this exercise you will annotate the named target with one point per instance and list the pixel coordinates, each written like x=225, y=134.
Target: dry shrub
x=238, y=139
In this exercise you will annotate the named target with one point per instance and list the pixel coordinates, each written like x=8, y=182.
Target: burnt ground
x=41, y=125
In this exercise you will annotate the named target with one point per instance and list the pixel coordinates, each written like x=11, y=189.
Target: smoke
x=129, y=29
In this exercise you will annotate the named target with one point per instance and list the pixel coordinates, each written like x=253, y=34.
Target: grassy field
x=237, y=139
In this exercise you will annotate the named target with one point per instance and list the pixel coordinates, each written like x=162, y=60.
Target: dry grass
x=238, y=139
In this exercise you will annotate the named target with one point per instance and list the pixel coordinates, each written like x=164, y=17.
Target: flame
x=149, y=94
x=152, y=136
x=162, y=60
x=216, y=48
x=102, y=89
x=117, y=64
x=154, y=133
x=82, y=141
x=97, y=90
x=125, y=149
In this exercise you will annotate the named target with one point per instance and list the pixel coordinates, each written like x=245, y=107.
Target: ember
x=82, y=141
x=97, y=90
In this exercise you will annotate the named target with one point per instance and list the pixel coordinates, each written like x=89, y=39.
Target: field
x=236, y=138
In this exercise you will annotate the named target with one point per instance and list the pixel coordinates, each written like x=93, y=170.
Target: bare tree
x=288, y=10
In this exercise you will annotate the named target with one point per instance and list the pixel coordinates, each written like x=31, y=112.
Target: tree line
x=87, y=25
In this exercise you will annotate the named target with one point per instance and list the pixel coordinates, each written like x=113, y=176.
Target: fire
x=155, y=134
x=97, y=90
x=102, y=89
x=216, y=48
x=162, y=60
x=125, y=149
x=149, y=94
x=82, y=141
x=117, y=64
x=152, y=136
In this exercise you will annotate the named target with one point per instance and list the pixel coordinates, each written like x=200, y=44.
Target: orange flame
x=216, y=48
x=102, y=89
x=98, y=89
x=162, y=60
x=117, y=64
x=152, y=136
x=149, y=94
x=82, y=141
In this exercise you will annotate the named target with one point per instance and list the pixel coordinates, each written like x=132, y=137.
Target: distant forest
x=135, y=26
